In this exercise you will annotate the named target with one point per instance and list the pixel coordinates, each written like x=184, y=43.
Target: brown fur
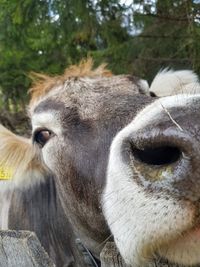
x=44, y=83
x=89, y=112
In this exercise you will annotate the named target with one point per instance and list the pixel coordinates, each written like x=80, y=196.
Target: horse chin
x=183, y=251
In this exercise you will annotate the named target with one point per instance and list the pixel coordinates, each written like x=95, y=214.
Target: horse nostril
x=161, y=155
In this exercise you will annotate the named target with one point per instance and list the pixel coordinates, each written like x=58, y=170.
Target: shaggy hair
x=44, y=83
x=169, y=82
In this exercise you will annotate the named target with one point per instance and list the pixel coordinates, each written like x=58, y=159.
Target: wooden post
x=22, y=249
x=110, y=257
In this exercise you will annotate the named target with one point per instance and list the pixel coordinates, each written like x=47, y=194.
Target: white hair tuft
x=169, y=82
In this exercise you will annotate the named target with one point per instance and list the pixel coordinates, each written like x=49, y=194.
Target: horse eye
x=153, y=94
x=41, y=137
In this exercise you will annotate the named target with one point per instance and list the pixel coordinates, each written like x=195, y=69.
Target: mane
x=42, y=83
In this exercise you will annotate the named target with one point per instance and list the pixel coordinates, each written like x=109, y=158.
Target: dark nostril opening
x=157, y=155
x=153, y=94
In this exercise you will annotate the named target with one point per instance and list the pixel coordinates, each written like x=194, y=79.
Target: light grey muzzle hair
x=152, y=194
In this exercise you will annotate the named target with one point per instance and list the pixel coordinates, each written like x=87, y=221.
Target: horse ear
x=169, y=82
x=20, y=163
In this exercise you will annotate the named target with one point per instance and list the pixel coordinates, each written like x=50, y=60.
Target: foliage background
x=137, y=37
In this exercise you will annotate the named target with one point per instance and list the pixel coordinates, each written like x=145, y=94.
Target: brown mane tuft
x=42, y=83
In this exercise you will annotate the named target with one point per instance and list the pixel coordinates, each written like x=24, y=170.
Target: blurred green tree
x=48, y=35
x=138, y=37
x=170, y=35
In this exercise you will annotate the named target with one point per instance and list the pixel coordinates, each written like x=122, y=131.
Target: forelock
x=43, y=84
